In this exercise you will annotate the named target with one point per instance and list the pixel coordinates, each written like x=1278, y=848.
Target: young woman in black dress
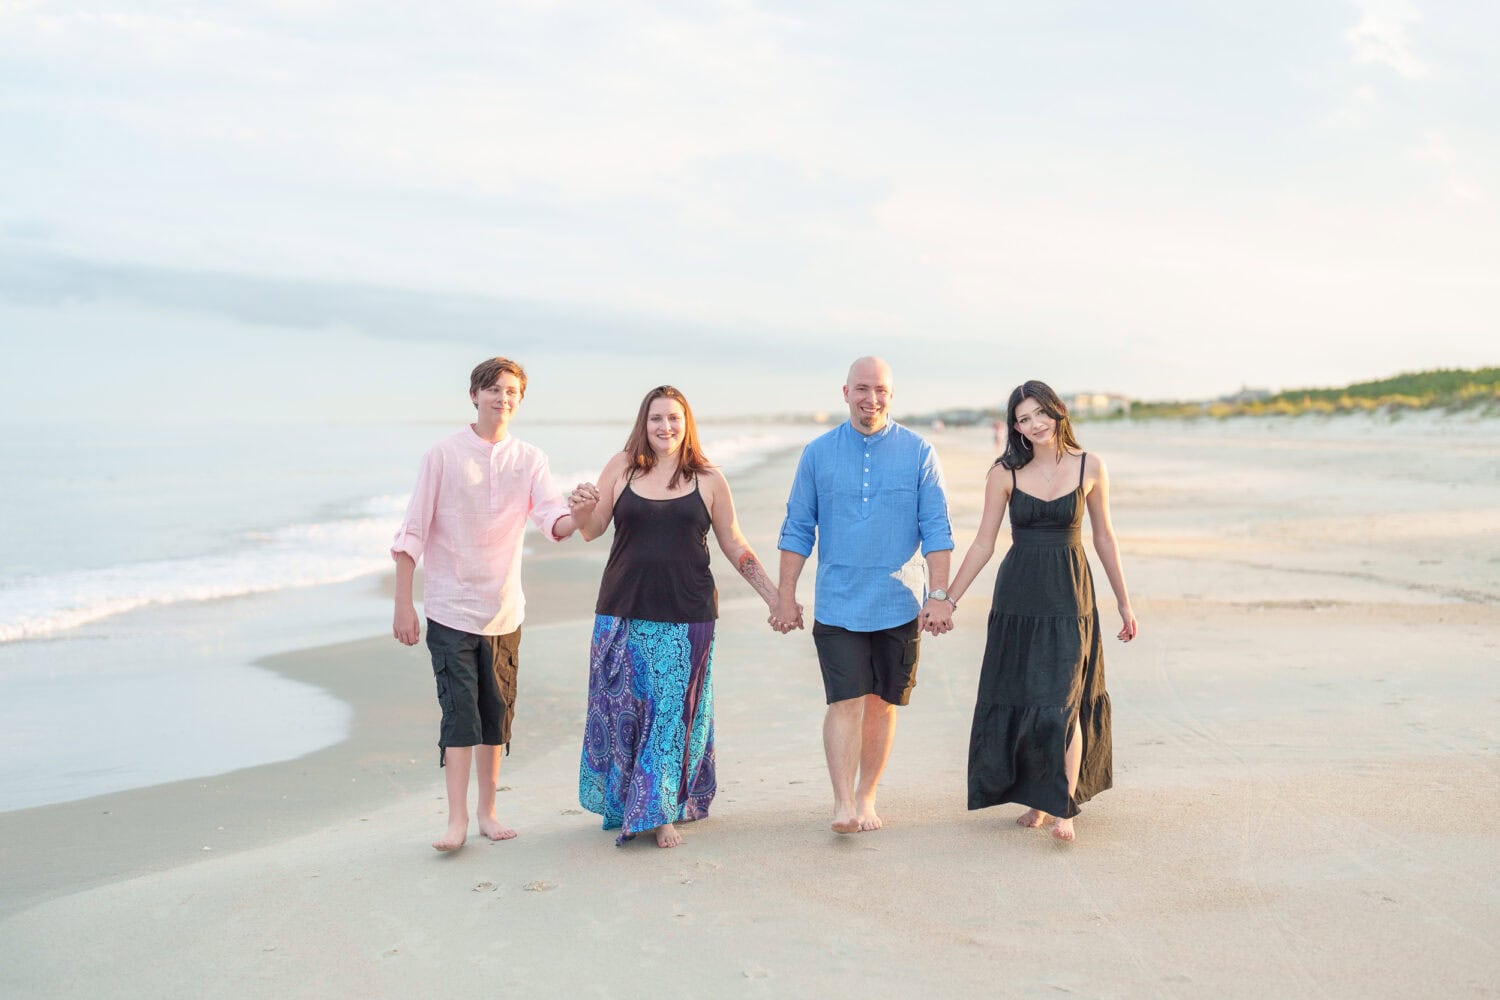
x=1041, y=732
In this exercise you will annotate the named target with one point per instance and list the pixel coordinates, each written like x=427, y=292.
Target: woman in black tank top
x=648, y=745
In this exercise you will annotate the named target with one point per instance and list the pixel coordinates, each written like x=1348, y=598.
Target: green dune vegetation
x=1449, y=389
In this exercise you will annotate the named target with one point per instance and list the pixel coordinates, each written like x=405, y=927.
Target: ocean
x=149, y=565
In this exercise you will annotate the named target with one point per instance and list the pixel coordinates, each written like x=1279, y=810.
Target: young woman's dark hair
x=1017, y=446
x=691, y=460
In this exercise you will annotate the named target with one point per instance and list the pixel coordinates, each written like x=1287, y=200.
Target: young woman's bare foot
x=867, y=818
x=494, y=829
x=1031, y=818
x=667, y=836
x=454, y=838
x=845, y=820
x=1063, y=829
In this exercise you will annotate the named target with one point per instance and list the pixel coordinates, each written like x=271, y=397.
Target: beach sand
x=1305, y=800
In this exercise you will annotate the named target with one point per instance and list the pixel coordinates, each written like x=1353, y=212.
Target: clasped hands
x=786, y=615
x=937, y=616
x=582, y=499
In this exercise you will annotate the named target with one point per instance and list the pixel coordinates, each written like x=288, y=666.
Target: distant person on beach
x=1041, y=733
x=870, y=493
x=467, y=516
x=648, y=744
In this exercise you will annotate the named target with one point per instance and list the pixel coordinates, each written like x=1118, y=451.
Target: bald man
x=870, y=493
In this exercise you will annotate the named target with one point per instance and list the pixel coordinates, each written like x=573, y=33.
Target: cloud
x=1380, y=37
x=384, y=312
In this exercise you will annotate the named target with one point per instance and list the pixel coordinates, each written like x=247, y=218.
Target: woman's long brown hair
x=690, y=458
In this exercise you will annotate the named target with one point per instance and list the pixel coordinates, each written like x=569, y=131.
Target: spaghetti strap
x=1012, y=480
x=1083, y=461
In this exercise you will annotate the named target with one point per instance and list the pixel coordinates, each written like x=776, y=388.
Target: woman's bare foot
x=867, y=818
x=1063, y=829
x=494, y=829
x=454, y=838
x=1031, y=818
x=845, y=819
x=667, y=836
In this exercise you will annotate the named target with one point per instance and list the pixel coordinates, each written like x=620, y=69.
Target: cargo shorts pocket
x=506, y=668
x=448, y=687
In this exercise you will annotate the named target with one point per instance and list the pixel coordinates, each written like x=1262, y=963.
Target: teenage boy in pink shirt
x=466, y=518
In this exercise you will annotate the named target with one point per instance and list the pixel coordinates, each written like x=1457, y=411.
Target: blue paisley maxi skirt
x=648, y=745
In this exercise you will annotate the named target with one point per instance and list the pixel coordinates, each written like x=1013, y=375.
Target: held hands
x=1131, y=628
x=582, y=499
x=786, y=615
x=937, y=616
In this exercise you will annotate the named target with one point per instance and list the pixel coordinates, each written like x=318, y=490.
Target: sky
x=334, y=209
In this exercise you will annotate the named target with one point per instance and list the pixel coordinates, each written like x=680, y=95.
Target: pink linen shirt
x=467, y=518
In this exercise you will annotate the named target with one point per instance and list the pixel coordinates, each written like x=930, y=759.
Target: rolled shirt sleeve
x=799, y=529
x=411, y=537
x=933, y=523
x=547, y=504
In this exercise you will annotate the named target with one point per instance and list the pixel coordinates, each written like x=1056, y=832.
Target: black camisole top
x=658, y=562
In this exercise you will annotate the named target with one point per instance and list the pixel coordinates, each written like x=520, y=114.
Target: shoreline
x=389, y=751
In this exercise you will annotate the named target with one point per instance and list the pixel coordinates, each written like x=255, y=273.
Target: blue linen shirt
x=869, y=502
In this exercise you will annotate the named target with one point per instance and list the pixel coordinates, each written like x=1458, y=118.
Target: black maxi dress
x=1043, y=666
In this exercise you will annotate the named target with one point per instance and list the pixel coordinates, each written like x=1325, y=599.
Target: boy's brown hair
x=487, y=373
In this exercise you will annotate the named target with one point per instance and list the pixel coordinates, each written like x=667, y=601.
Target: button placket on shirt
x=864, y=508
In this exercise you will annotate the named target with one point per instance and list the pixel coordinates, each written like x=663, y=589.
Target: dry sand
x=1305, y=802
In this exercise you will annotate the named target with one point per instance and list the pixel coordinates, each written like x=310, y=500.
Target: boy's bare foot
x=1063, y=829
x=454, y=838
x=866, y=817
x=494, y=829
x=1032, y=818
x=667, y=836
x=845, y=820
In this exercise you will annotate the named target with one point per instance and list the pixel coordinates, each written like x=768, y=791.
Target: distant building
x=1246, y=395
x=1098, y=404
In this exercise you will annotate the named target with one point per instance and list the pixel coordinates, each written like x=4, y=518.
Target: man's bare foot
x=1063, y=829
x=1031, y=818
x=667, y=836
x=867, y=818
x=454, y=838
x=494, y=829
x=845, y=820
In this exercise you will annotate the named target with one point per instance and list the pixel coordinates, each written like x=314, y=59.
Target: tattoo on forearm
x=751, y=569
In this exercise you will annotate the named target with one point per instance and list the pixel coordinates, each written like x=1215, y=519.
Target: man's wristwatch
x=941, y=595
